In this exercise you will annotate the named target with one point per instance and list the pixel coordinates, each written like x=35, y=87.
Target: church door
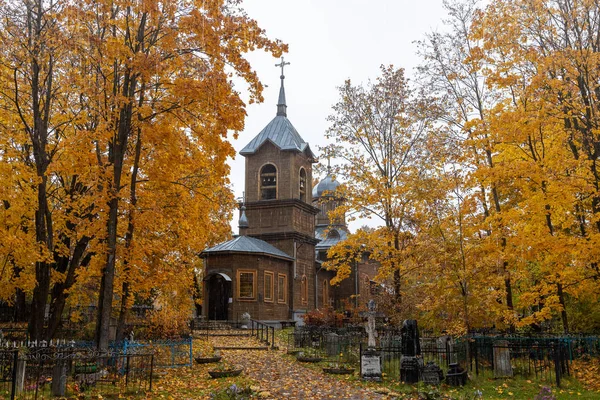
x=218, y=297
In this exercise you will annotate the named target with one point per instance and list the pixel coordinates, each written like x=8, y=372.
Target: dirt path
x=281, y=377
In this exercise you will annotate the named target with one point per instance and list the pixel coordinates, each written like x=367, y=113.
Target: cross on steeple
x=281, y=106
x=282, y=64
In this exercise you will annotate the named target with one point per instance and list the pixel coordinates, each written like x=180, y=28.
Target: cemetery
x=381, y=360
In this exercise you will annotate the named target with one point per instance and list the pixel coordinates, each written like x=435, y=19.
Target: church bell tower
x=278, y=190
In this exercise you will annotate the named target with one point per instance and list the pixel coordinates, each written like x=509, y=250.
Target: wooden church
x=272, y=270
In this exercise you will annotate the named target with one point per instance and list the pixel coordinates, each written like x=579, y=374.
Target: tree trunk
x=563, y=312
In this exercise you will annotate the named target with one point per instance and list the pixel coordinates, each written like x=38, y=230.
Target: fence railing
x=263, y=332
x=167, y=353
x=63, y=372
x=544, y=359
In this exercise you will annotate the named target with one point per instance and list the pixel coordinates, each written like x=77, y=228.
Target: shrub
x=323, y=317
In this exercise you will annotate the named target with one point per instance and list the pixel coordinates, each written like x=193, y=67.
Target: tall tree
x=380, y=136
x=97, y=99
x=35, y=39
x=155, y=67
x=453, y=72
x=542, y=58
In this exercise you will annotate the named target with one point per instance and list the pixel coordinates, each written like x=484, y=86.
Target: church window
x=269, y=280
x=304, y=289
x=281, y=288
x=302, y=184
x=268, y=182
x=325, y=293
x=246, y=284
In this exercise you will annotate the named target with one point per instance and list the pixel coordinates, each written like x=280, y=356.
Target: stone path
x=281, y=377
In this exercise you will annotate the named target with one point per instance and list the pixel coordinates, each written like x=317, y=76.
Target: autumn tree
x=541, y=60
x=37, y=121
x=158, y=68
x=117, y=116
x=453, y=71
x=380, y=135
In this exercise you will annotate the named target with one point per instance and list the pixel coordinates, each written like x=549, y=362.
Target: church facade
x=273, y=268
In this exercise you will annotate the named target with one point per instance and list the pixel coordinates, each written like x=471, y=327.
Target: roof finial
x=243, y=222
x=328, y=164
x=281, y=106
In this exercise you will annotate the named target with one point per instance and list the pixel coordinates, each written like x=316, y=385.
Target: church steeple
x=281, y=106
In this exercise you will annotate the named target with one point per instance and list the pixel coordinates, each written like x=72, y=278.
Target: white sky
x=329, y=41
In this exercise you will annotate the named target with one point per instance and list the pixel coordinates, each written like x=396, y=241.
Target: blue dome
x=328, y=184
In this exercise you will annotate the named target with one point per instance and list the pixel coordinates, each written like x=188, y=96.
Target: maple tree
x=38, y=128
x=542, y=61
x=125, y=152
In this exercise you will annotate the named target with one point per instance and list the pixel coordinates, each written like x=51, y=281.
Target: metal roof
x=280, y=130
x=247, y=244
x=327, y=240
x=282, y=134
x=328, y=184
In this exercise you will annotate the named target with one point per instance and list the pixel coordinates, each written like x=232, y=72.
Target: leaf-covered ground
x=270, y=374
x=273, y=374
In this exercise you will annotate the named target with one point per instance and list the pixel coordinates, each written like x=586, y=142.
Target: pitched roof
x=282, y=134
x=279, y=131
x=247, y=244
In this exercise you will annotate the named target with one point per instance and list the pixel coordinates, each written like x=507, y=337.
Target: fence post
x=557, y=367
x=127, y=371
x=191, y=351
x=476, y=351
x=151, y=370
x=13, y=391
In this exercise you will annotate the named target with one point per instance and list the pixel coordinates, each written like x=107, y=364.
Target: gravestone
x=502, y=366
x=370, y=365
x=432, y=374
x=456, y=375
x=411, y=363
x=332, y=344
x=370, y=360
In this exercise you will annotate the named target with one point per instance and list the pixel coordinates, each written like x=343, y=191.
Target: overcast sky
x=329, y=41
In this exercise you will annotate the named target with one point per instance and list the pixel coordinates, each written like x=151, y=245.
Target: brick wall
x=258, y=308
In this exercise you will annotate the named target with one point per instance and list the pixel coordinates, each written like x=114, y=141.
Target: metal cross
x=282, y=64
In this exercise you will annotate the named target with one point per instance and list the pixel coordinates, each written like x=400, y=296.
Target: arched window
x=302, y=184
x=268, y=182
x=304, y=290
x=325, y=293
x=333, y=234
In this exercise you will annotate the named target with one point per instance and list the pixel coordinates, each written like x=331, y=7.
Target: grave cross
x=370, y=328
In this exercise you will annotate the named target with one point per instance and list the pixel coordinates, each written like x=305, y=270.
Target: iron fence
x=540, y=358
x=263, y=332
x=64, y=372
x=167, y=353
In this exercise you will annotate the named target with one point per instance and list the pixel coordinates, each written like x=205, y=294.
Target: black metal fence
x=543, y=359
x=47, y=372
x=167, y=352
x=263, y=332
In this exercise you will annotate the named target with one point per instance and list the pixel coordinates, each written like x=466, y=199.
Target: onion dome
x=328, y=184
